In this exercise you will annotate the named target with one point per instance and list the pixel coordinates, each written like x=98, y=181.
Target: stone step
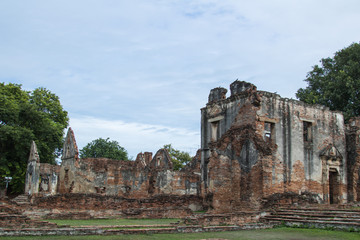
x=129, y=226
x=105, y=231
x=22, y=199
x=286, y=218
x=11, y=218
x=318, y=209
x=8, y=209
x=314, y=221
x=315, y=217
x=320, y=214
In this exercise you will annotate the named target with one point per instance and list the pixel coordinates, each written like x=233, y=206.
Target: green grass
x=267, y=234
x=117, y=221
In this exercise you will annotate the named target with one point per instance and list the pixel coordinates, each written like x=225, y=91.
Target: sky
x=138, y=72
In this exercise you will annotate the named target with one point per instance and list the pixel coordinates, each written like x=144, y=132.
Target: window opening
x=269, y=133
x=307, y=131
x=214, y=130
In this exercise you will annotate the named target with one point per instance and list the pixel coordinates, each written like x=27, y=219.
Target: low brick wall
x=97, y=201
x=170, y=212
x=85, y=206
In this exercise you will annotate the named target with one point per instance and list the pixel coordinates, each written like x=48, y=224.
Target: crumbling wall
x=310, y=143
x=83, y=206
x=144, y=177
x=353, y=159
x=48, y=181
x=67, y=171
x=32, y=171
x=256, y=144
x=41, y=178
x=132, y=179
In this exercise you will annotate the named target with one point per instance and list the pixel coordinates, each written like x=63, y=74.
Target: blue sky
x=139, y=71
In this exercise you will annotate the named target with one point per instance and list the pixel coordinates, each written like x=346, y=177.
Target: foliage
x=24, y=117
x=104, y=148
x=179, y=158
x=336, y=83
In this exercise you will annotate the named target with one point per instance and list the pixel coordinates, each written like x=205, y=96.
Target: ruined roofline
x=297, y=102
x=106, y=162
x=70, y=148
x=105, y=159
x=34, y=155
x=246, y=89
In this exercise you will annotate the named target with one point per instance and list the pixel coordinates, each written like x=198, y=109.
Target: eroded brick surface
x=100, y=187
x=83, y=206
x=257, y=147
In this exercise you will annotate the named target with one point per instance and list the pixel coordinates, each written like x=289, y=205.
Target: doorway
x=334, y=186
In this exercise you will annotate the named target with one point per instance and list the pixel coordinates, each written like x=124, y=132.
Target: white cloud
x=134, y=137
x=153, y=62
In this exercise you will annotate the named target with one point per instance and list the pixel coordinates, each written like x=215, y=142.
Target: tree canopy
x=178, y=158
x=26, y=116
x=336, y=83
x=104, y=148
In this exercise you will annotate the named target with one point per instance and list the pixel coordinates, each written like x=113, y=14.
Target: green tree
x=179, y=158
x=27, y=116
x=336, y=83
x=104, y=148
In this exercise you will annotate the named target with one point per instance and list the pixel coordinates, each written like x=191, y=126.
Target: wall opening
x=214, y=131
x=334, y=186
x=269, y=131
x=357, y=187
x=307, y=133
x=66, y=178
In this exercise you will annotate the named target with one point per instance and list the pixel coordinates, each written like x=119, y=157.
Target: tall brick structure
x=353, y=159
x=257, y=146
x=32, y=171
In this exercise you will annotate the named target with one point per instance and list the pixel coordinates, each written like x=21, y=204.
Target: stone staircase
x=11, y=218
x=22, y=200
x=327, y=216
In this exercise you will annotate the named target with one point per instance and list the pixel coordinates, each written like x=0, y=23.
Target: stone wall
x=32, y=171
x=84, y=206
x=353, y=159
x=147, y=176
x=48, y=178
x=134, y=179
x=124, y=178
x=256, y=144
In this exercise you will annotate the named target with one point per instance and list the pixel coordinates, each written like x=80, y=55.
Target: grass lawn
x=267, y=234
x=117, y=221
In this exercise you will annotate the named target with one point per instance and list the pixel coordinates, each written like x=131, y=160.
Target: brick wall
x=267, y=145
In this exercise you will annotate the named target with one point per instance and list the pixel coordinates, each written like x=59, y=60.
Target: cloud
x=153, y=62
x=134, y=137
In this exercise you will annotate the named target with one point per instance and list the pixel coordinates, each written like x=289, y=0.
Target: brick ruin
x=257, y=149
x=144, y=177
x=100, y=183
